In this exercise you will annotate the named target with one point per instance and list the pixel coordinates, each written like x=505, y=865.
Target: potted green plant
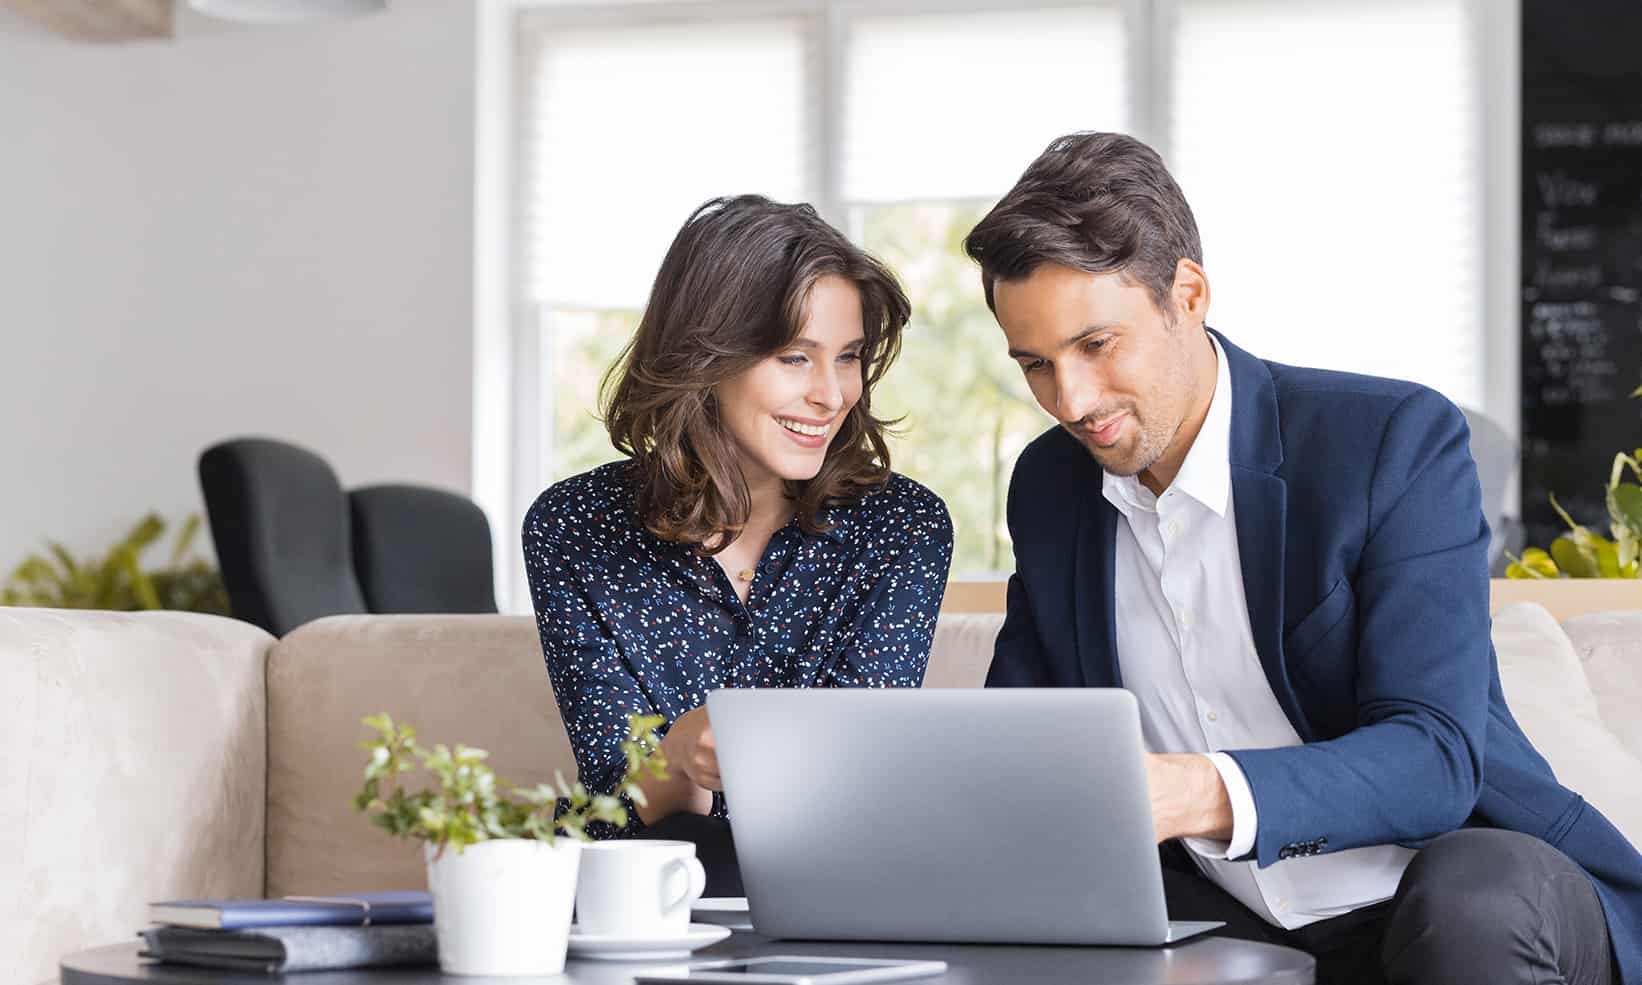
x=117, y=580
x=502, y=899
x=1584, y=553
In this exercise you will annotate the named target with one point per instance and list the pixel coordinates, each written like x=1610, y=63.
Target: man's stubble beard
x=1154, y=438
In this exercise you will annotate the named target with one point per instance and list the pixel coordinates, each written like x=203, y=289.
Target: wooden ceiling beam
x=99, y=20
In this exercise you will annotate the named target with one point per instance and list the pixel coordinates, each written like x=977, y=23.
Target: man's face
x=1100, y=357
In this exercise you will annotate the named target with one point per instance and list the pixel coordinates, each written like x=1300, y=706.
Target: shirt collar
x=1205, y=475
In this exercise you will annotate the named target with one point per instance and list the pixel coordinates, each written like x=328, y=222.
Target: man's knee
x=1450, y=906
x=1471, y=908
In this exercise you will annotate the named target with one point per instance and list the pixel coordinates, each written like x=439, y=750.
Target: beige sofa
x=165, y=755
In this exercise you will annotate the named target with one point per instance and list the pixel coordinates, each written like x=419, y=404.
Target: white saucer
x=604, y=947
x=726, y=911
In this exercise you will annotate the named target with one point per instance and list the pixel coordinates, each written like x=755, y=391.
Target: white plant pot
x=503, y=907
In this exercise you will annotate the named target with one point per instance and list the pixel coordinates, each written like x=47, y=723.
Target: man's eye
x=1094, y=345
x=1033, y=365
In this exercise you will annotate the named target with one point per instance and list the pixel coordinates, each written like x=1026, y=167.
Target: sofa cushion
x=1609, y=644
x=474, y=679
x=1548, y=695
x=962, y=650
x=133, y=771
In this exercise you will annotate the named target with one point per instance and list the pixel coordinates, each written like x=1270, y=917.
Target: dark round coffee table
x=1199, y=962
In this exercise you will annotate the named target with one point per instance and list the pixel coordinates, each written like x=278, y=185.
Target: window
x=1330, y=149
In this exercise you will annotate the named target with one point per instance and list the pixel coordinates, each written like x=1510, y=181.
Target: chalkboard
x=1581, y=254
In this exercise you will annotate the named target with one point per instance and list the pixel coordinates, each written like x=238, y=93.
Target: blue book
x=350, y=910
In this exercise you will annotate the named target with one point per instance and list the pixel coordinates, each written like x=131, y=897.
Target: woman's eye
x=850, y=357
x=796, y=359
x=1094, y=345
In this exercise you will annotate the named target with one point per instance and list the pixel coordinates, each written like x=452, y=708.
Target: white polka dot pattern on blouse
x=632, y=623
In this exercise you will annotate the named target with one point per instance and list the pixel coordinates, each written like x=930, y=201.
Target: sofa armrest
x=134, y=770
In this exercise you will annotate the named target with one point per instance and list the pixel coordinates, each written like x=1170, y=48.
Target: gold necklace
x=745, y=574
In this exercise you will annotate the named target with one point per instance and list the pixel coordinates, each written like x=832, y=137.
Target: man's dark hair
x=1099, y=202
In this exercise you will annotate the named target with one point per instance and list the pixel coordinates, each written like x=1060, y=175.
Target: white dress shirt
x=1186, y=651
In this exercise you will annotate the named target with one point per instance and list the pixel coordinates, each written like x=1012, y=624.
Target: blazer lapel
x=1095, y=585
x=1260, y=502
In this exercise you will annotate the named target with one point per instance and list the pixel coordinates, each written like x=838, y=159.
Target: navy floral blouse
x=633, y=623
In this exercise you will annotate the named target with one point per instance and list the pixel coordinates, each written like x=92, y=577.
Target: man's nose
x=1076, y=395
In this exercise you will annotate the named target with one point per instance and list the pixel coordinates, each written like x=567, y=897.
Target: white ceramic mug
x=638, y=889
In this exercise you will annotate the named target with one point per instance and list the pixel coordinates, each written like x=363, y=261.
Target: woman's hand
x=692, y=771
x=689, y=749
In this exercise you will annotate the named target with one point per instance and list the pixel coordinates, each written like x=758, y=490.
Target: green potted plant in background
x=117, y=580
x=502, y=898
x=1584, y=553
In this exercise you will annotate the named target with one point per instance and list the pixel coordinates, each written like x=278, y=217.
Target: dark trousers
x=1475, y=906
x=715, y=848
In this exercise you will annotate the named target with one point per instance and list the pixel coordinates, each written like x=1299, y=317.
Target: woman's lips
x=805, y=440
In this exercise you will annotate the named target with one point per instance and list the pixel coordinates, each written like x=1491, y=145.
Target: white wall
x=245, y=230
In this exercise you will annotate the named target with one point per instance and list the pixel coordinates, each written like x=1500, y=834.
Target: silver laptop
x=1014, y=815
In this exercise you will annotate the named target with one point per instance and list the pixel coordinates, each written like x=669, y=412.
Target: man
x=1288, y=568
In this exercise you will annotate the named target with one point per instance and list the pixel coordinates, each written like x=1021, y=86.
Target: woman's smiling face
x=784, y=411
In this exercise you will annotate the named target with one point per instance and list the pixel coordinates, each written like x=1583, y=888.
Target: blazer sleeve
x=592, y=683
x=1018, y=657
x=895, y=627
x=1412, y=768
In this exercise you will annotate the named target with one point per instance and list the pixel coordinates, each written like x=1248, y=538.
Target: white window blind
x=955, y=105
x=1330, y=150
x=630, y=127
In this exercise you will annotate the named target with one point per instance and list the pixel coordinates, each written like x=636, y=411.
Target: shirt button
x=1185, y=618
x=1213, y=716
x=1283, y=905
x=1172, y=528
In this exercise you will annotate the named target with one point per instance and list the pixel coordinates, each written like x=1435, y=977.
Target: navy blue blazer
x=1364, y=556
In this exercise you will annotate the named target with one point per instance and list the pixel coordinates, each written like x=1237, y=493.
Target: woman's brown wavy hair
x=732, y=291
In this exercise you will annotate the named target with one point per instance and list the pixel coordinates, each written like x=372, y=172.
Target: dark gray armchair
x=294, y=546
x=1497, y=457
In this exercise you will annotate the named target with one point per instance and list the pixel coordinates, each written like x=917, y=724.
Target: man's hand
x=689, y=749
x=1189, y=799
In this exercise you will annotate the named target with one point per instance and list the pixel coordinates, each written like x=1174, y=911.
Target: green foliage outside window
x=964, y=411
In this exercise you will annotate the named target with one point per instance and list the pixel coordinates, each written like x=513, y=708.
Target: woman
x=755, y=536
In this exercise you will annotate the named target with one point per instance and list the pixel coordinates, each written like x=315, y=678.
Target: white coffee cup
x=638, y=888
